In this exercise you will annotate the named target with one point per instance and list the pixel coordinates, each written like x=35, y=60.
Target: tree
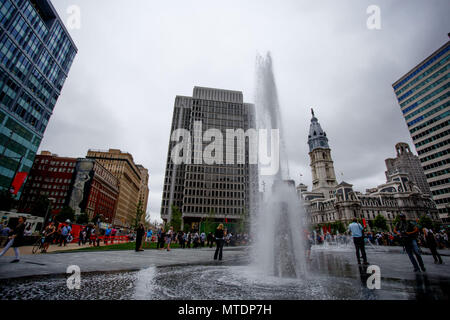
x=67, y=213
x=175, y=221
x=425, y=221
x=7, y=201
x=243, y=224
x=40, y=207
x=83, y=218
x=338, y=226
x=380, y=223
x=139, y=213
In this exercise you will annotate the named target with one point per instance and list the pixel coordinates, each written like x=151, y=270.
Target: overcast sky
x=135, y=56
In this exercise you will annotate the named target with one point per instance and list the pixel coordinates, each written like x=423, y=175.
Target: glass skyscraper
x=36, y=53
x=424, y=98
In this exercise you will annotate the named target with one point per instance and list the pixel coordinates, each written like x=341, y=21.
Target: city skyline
x=354, y=100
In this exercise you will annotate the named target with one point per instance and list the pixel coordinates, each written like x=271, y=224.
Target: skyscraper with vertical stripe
x=424, y=98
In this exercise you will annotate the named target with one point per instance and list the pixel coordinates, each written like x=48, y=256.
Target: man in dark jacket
x=16, y=239
x=408, y=233
x=140, y=232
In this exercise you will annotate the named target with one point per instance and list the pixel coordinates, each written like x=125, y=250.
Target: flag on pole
x=364, y=222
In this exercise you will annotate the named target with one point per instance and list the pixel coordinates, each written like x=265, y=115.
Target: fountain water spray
x=278, y=226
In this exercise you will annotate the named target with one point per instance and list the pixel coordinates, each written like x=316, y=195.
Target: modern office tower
x=36, y=53
x=200, y=187
x=122, y=166
x=424, y=98
x=94, y=190
x=143, y=191
x=50, y=177
x=409, y=163
x=322, y=167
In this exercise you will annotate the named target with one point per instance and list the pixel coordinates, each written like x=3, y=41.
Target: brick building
x=50, y=177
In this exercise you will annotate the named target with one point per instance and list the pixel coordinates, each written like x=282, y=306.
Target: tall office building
x=143, y=191
x=424, y=98
x=122, y=166
x=200, y=187
x=36, y=53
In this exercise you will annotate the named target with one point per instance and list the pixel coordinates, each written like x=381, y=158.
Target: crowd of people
x=409, y=234
x=185, y=240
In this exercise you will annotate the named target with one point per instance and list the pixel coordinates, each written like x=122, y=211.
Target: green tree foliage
x=175, y=222
x=380, y=223
x=208, y=223
x=338, y=226
x=40, y=207
x=139, y=213
x=425, y=221
x=83, y=219
x=67, y=213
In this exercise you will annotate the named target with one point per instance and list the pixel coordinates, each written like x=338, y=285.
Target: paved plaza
x=333, y=274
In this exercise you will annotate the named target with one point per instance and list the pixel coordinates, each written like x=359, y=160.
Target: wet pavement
x=191, y=274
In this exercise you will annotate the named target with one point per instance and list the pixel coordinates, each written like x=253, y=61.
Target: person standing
x=169, y=236
x=161, y=238
x=140, y=232
x=107, y=234
x=408, y=233
x=432, y=245
x=357, y=231
x=16, y=240
x=219, y=236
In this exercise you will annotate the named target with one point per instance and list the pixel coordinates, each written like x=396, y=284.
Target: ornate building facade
x=329, y=202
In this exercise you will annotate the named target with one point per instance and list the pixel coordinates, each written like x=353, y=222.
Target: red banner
x=364, y=222
x=19, y=179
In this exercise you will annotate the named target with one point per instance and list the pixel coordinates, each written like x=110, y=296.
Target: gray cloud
x=136, y=56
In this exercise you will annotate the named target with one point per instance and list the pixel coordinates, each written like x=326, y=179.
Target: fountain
x=278, y=225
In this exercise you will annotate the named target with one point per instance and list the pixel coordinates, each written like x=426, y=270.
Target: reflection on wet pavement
x=330, y=277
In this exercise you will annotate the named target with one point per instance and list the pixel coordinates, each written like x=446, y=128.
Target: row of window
x=433, y=111
x=208, y=210
x=433, y=138
x=439, y=182
x=435, y=128
x=433, y=147
x=438, y=173
x=422, y=67
x=435, y=155
x=436, y=164
x=431, y=86
x=441, y=62
x=430, y=122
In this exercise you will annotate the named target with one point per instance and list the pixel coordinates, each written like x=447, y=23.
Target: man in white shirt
x=357, y=231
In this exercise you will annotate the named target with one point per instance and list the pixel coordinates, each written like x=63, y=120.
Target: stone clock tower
x=322, y=168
